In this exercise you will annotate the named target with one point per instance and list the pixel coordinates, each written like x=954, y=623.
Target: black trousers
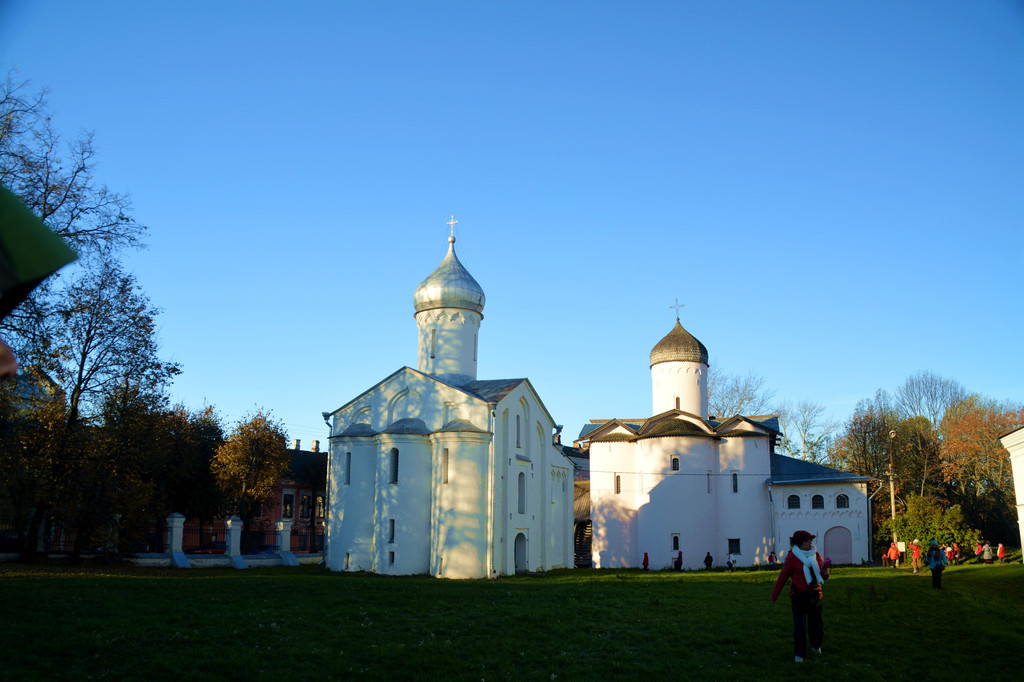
x=807, y=621
x=937, y=578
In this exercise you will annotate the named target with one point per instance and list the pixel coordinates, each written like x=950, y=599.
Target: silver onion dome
x=679, y=345
x=449, y=286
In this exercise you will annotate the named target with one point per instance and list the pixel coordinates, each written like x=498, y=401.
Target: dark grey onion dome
x=449, y=286
x=679, y=346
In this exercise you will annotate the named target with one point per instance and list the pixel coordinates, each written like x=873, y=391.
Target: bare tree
x=55, y=179
x=807, y=431
x=729, y=394
x=926, y=394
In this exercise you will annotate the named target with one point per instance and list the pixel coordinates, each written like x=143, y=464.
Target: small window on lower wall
x=817, y=502
x=734, y=545
x=391, y=558
x=287, y=506
x=675, y=542
x=675, y=464
x=793, y=502
x=618, y=485
x=842, y=502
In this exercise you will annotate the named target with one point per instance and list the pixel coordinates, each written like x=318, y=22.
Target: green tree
x=250, y=462
x=925, y=518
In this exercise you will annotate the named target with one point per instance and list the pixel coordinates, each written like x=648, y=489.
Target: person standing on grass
x=647, y=562
x=772, y=559
x=894, y=555
x=708, y=561
x=805, y=570
x=956, y=553
x=1001, y=553
x=915, y=557
x=986, y=552
x=937, y=563
x=977, y=551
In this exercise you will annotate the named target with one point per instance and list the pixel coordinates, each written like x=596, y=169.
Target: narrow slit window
x=444, y=466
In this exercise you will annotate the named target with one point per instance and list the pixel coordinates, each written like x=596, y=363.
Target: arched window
x=735, y=482
x=518, y=430
x=675, y=464
x=522, y=493
x=677, y=402
x=433, y=342
x=842, y=502
x=393, y=466
x=675, y=542
x=817, y=502
x=618, y=484
x=793, y=502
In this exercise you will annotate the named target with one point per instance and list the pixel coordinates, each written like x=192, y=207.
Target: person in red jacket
x=805, y=570
x=894, y=555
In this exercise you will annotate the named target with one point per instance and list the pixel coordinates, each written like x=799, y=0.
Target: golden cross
x=677, y=306
x=451, y=224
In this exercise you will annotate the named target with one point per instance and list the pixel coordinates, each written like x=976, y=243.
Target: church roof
x=673, y=427
x=359, y=429
x=408, y=425
x=449, y=286
x=679, y=346
x=461, y=425
x=491, y=390
x=790, y=470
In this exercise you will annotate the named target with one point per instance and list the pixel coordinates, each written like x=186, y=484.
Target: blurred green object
x=29, y=251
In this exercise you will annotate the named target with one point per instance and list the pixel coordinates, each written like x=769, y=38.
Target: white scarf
x=810, y=560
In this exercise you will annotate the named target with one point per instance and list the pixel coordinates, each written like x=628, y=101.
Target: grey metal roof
x=790, y=470
x=491, y=390
x=360, y=429
x=679, y=346
x=594, y=425
x=461, y=425
x=407, y=426
x=449, y=286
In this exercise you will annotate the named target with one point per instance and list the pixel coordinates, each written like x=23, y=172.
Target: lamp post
x=892, y=487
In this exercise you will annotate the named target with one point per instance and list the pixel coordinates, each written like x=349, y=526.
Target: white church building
x=682, y=480
x=433, y=471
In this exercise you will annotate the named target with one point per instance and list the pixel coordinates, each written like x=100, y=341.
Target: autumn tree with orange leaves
x=976, y=467
x=250, y=462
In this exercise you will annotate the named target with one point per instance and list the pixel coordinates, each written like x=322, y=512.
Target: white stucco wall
x=687, y=381
x=1014, y=444
x=462, y=528
x=820, y=522
x=448, y=340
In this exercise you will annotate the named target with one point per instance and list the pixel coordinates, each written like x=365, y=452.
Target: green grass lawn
x=131, y=623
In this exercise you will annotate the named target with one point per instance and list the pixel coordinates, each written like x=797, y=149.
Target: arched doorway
x=839, y=545
x=520, y=549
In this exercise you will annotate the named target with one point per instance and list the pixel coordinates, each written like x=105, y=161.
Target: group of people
x=984, y=552
x=677, y=562
x=952, y=552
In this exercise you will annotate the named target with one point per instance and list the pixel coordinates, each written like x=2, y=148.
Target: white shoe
x=798, y=659
x=816, y=651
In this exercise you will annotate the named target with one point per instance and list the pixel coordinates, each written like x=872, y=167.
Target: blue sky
x=834, y=190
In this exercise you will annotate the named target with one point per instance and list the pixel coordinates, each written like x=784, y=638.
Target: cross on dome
x=451, y=224
x=677, y=306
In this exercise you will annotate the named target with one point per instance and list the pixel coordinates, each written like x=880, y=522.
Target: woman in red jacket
x=806, y=571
